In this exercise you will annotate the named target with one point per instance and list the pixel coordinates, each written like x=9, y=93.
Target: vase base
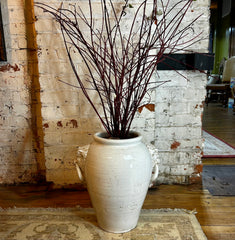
x=118, y=231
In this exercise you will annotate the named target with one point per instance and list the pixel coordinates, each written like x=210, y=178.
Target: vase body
x=118, y=173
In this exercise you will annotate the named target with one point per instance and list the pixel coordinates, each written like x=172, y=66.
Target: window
x=2, y=41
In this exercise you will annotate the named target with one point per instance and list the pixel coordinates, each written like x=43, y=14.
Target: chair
x=229, y=70
x=223, y=90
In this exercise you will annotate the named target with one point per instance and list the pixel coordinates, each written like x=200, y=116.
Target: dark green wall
x=220, y=28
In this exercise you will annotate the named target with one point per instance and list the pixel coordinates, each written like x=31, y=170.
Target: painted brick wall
x=179, y=108
x=68, y=120
x=62, y=120
x=174, y=127
x=178, y=124
x=17, y=159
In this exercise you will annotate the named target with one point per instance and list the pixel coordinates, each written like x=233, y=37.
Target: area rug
x=216, y=148
x=219, y=179
x=80, y=224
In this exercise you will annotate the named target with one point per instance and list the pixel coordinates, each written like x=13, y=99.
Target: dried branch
x=120, y=62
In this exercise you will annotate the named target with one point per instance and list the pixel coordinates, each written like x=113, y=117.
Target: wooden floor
x=215, y=214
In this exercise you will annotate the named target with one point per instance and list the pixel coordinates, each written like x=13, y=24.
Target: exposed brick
x=171, y=112
x=198, y=168
x=9, y=67
x=175, y=144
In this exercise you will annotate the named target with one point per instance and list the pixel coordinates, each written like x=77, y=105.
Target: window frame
x=3, y=56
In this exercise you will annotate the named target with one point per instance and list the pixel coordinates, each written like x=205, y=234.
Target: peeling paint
x=195, y=178
x=150, y=107
x=8, y=67
x=59, y=124
x=175, y=144
x=74, y=123
x=198, y=168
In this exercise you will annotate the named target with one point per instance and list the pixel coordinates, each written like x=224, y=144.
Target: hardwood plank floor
x=215, y=214
x=218, y=218
x=219, y=121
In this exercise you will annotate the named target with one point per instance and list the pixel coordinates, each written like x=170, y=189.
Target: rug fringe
x=91, y=210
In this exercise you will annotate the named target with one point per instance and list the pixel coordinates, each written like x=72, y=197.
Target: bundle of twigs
x=121, y=59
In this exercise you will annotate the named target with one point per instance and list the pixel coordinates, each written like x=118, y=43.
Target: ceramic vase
x=118, y=173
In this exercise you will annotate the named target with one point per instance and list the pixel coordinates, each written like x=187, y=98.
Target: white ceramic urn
x=118, y=173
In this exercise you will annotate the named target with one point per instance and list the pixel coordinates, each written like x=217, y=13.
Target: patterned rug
x=215, y=147
x=80, y=224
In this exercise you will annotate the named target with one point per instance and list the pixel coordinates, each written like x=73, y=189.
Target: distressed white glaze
x=118, y=173
x=81, y=160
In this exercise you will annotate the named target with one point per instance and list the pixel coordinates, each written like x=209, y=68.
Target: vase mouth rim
x=104, y=138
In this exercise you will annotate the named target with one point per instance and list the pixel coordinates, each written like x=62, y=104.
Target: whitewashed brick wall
x=68, y=120
x=176, y=120
x=179, y=107
x=17, y=160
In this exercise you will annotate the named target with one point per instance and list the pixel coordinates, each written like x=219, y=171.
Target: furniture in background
x=223, y=91
x=229, y=70
x=233, y=94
